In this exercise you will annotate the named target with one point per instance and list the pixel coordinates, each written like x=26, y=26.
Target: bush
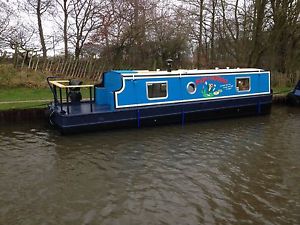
x=14, y=77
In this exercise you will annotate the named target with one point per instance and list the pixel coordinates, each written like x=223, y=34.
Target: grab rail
x=54, y=84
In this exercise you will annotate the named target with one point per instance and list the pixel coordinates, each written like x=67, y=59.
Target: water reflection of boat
x=141, y=98
x=293, y=98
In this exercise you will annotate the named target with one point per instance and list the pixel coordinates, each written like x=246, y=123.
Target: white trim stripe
x=192, y=100
x=248, y=90
x=187, y=72
x=186, y=100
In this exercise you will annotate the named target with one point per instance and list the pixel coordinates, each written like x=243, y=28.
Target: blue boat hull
x=158, y=115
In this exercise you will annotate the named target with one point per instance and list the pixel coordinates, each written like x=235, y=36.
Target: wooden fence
x=92, y=69
x=87, y=68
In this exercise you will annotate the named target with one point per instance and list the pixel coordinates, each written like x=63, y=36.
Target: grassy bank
x=15, y=77
x=22, y=85
x=281, y=90
x=21, y=89
x=15, y=97
x=19, y=94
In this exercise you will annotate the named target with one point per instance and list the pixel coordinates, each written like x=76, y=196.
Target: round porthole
x=191, y=88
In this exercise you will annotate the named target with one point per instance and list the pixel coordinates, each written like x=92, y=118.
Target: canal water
x=234, y=171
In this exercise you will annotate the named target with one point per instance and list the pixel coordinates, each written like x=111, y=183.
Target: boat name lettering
x=214, y=78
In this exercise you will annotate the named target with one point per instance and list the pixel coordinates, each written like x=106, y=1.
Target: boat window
x=243, y=84
x=191, y=87
x=157, y=90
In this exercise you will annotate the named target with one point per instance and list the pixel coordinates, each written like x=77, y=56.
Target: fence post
x=85, y=69
x=57, y=68
x=74, y=68
x=37, y=63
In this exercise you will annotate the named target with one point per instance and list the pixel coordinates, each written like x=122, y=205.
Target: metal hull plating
x=156, y=115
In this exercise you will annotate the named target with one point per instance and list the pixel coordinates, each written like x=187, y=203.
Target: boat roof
x=130, y=73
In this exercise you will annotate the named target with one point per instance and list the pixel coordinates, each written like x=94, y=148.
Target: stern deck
x=84, y=108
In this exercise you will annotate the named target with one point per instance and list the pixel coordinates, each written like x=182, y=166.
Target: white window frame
x=187, y=88
x=237, y=78
x=157, y=82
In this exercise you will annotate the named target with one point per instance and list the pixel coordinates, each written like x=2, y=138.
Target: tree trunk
x=280, y=34
x=40, y=27
x=257, y=46
x=77, y=51
x=65, y=8
x=199, y=55
x=16, y=55
x=137, y=34
x=212, y=40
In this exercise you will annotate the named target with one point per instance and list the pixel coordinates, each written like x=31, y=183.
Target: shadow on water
x=233, y=171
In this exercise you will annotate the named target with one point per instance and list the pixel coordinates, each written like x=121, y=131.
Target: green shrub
x=15, y=77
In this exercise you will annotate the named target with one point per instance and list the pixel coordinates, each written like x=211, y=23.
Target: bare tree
x=6, y=14
x=39, y=8
x=85, y=20
x=257, y=33
x=168, y=37
x=213, y=22
x=21, y=41
x=65, y=6
x=285, y=33
x=195, y=11
x=143, y=33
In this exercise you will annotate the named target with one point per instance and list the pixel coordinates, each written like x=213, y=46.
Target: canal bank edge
x=20, y=115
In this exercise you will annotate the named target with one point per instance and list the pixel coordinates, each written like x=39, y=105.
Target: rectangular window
x=243, y=84
x=157, y=90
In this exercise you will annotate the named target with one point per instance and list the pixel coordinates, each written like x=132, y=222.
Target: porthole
x=191, y=88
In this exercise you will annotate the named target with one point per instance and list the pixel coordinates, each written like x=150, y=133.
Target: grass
x=24, y=94
x=33, y=105
x=39, y=97
x=19, y=94
x=282, y=90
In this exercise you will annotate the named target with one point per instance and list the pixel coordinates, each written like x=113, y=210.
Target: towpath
x=26, y=101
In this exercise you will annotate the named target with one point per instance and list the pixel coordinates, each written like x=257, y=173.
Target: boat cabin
x=128, y=89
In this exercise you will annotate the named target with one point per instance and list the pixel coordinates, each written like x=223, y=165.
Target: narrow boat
x=142, y=98
x=293, y=98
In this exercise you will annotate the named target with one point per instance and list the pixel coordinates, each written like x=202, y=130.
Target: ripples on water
x=237, y=171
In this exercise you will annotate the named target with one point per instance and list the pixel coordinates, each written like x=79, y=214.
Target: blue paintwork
x=297, y=89
x=105, y=94
x=134, y=92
